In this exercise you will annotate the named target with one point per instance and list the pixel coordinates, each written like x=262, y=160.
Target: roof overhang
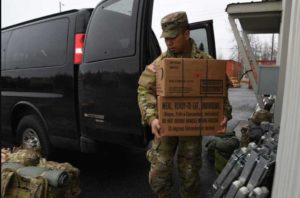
x=257, y=17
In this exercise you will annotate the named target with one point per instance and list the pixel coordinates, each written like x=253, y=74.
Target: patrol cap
x=173, y=23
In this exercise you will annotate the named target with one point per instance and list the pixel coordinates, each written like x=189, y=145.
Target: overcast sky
x=15, y=11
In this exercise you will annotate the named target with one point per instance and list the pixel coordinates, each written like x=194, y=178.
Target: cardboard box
x=191, y=77
x=190, y=116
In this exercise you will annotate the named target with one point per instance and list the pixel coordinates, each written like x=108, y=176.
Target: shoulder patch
x=151, y=67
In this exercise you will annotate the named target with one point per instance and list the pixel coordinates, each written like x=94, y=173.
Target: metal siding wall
x=287, y=174
x=282, y=58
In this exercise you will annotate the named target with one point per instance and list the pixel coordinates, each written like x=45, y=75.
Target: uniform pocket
x=152, y=153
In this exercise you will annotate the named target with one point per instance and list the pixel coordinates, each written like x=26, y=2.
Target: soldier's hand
x=223, y=124
x=155, y=128
x=4, y=154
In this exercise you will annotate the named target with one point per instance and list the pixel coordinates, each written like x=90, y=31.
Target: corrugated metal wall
x=287, y=173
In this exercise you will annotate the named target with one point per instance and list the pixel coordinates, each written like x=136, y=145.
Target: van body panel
x=51, y=88
x=110, y=72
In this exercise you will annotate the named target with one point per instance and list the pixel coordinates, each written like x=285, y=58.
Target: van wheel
x=31, y=134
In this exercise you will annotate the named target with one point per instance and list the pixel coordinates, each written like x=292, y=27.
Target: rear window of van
x=4, y=41
x=112, y=31
x=38, y=45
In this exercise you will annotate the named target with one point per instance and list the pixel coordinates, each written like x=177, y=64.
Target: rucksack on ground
x=26, y=175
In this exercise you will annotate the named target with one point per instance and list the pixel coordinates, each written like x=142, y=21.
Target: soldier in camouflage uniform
x=162, y=151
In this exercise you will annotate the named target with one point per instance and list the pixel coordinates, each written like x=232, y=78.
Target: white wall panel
x=287, y=173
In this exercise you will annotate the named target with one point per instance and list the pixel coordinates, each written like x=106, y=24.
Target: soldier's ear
x=186, y=34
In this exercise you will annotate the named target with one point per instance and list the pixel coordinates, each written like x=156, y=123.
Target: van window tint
x=38, y=45
x=4, y=40
x=200, y=37
x=112, y=31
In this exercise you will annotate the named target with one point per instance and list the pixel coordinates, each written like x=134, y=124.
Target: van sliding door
x=108, y=76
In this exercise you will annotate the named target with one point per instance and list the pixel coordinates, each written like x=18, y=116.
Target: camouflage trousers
x=161, y=155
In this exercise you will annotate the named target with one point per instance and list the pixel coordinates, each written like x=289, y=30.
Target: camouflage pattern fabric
x=37, y=186
x=15, y=186
x=5, y=152
x=72, y=187
x=173, y=23
x=27, y=157
x=262, y=115
x=161, y=154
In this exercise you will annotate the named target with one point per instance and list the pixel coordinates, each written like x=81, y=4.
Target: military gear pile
x=25, y=174
x=250, y=170
x=256, y=128
x=221, y=148
x=261, y=116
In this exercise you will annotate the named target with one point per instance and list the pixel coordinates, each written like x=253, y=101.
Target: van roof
x=45, y=17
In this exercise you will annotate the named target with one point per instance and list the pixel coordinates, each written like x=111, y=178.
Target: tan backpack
x=15, y=186
x=27, y=175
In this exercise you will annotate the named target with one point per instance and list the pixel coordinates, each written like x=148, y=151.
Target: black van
x=69, y=80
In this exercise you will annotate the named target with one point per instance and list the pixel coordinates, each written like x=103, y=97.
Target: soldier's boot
x=164, y=195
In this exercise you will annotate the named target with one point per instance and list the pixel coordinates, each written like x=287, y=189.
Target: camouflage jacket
x=147, y=85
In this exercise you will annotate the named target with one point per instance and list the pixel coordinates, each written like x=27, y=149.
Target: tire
x=32, y=134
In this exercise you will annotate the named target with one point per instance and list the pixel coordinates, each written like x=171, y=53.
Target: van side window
x=38, y=45
x=111, y=31
x=200, y=37
x=4, y=41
